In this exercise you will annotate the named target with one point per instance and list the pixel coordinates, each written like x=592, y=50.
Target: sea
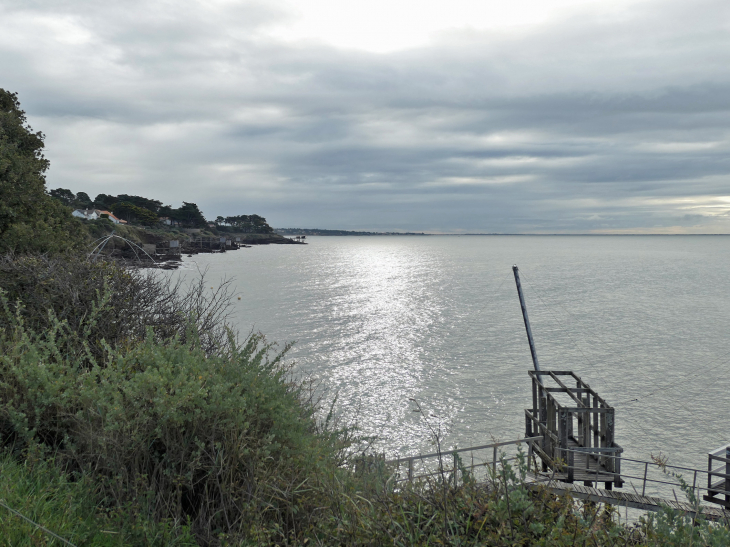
x=386, y=325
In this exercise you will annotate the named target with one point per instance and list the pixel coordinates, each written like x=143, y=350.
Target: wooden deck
x=623, y=499
x=586, y=471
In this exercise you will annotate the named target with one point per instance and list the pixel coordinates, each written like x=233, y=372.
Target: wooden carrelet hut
x=577, y=427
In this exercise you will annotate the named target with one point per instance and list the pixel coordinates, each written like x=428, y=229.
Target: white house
x=110, y=216
x=93, y=214
x=87, y=214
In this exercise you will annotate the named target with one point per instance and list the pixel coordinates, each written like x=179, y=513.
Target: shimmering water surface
x=381, y=320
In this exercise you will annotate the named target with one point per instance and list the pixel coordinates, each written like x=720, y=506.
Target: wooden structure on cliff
x=577, y=430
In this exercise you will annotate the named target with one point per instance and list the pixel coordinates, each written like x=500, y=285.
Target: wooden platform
x=623, y=499
x=585, y=470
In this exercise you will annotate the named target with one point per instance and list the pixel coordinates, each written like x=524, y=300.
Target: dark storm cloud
x=586, y=124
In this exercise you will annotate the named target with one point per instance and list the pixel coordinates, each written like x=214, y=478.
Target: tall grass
x=52, y=505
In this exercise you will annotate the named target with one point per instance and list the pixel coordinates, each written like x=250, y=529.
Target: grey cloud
x=582, y=124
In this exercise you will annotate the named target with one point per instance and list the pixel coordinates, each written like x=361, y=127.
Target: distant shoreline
x=322, y=232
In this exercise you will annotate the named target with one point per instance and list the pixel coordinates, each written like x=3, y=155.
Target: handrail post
x=564, y=453
x=646, y=469
x=709, y=474
x=543, y=420
x=727, y=472
x=410, y=470
x=456, y=478
x=494, y=462
x=596, y=426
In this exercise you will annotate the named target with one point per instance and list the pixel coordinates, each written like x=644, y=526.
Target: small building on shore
x=93, y=214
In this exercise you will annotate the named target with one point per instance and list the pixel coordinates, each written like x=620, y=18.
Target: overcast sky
x=541, y=116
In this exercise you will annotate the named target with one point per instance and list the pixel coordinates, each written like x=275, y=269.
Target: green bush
x=219, y=441
x=69, y=509
x=100, y=300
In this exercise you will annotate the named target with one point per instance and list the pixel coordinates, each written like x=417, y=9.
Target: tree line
x=249, y=224
x=149, y=212
x=134, y=209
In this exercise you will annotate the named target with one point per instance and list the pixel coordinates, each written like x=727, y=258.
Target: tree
x=145, y=203
x=30, y=219
x=104, y=201
x=190, y=214
x=132, y=213
x=83, y=201
x=63, y=195
x=254, y=224
x=67, y=197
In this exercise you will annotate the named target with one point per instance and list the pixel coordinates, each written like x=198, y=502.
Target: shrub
x=222, y=441
x=102, y=301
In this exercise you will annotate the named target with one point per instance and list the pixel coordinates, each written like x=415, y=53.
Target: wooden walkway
x=623, y=499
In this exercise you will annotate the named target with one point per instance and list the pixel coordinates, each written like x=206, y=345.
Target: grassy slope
x=69, y=509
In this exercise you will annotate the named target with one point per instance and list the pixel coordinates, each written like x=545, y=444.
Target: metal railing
x=661, y=479
x=439, y=460
x=639, y=470
x=721, y=486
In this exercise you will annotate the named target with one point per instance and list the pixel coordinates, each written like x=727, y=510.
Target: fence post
x=563, y=439
x=494, y=461
x=410, y=471
x=727, y=472
x=610, y=423
x=529, y=455
x=456, y=470
x=709, y=475
x=646, y=469
x=544, y=421
x=596, y=427
x=534, y=407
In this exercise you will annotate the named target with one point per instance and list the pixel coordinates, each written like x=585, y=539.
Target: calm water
x=381, y=320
